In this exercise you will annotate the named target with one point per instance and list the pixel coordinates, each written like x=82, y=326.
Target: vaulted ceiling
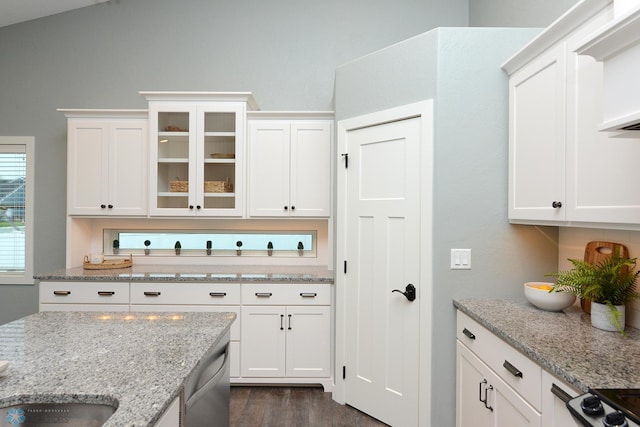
x=15, y=11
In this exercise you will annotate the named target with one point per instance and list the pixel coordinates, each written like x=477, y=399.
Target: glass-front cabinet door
x=197, y=158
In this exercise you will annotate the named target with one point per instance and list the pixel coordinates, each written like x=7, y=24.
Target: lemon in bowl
x=537, y=293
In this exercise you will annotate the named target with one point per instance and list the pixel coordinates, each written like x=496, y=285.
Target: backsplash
x=571, y=245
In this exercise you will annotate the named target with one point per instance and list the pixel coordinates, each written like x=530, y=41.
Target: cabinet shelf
x=173, y=160
x=185, y=194
x=227, y=134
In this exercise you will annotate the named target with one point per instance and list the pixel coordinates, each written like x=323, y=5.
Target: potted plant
x=239, y=245
x=147, y=243
x=209, y=246
x=116, y=246
x=300, y=248
x=269, y=248
x=177, y=247
x=609, y=285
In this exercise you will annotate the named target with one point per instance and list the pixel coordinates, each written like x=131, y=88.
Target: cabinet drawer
x=185, y=293
x=516, y=369
x=84, y=293
x=286, y=294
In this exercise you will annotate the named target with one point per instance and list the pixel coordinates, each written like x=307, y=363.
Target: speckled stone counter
x=137, y=361
x=196, y=273
x=563, y=343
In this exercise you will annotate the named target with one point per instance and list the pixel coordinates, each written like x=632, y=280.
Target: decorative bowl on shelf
x=537, y=293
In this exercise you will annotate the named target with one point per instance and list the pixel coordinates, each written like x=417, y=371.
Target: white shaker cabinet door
x=263, y=341
x=107, y=167
x=290, y=168
x=537, y=139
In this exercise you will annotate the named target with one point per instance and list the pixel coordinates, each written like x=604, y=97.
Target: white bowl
x=537, y=293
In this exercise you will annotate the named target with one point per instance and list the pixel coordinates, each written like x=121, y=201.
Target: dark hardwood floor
x=292, y=406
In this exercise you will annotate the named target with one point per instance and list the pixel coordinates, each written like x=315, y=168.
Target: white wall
x=516, y=13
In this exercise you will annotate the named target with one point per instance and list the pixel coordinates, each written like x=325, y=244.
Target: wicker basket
x=218, y=187
x=178, y=186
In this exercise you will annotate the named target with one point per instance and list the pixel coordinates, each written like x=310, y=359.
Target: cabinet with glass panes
x=197, y=152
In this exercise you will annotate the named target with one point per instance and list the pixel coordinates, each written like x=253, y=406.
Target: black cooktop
x=626, y=400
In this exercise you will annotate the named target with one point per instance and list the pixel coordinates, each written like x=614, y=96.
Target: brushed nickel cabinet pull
x=152, y=294
x=218, y=294
x=263, y=294
x=308, y=294
x=106, y=293
x=62, y=293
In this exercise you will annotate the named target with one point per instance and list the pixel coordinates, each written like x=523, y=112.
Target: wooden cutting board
x=596, y=252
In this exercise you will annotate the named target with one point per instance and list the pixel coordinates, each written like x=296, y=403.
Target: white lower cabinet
x=286, y=332
x=498, y=386
x=483, y=399
x=282, y=332
x=554, y=409
x=84, y=296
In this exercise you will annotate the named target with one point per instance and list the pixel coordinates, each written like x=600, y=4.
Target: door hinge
x=344, y=372
x=346, y=160
x=345, y=266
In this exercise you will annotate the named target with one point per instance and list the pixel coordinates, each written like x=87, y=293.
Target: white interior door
x=382, y=327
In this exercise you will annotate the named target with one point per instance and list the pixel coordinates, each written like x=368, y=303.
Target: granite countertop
x=196, y=273
x=563, y=343
x=137, y=360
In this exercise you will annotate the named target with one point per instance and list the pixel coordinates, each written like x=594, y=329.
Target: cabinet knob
x=198, y=207
x=103, y=206
x=191, y=207
x=556, y=205
x=286, y=208
x=293, y=208
x=110, y=206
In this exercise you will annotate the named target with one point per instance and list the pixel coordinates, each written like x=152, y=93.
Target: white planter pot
x=601, y=317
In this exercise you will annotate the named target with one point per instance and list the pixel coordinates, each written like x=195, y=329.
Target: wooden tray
x=108, y=264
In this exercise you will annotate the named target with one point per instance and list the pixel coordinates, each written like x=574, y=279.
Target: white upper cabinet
x=197, y=153
x=107, y=162
x=562, y=169
x=289, y=166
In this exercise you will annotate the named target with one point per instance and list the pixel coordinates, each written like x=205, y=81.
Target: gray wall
x=284, y=51
x=516, y=13
x=460, y=70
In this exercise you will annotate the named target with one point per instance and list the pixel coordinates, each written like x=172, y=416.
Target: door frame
x=424, y=111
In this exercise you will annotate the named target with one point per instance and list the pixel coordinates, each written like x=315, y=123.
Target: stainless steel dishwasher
x=206, y=392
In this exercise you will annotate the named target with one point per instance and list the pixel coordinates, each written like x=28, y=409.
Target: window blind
x=13, y=176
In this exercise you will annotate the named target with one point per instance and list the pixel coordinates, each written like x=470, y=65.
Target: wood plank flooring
x=292, y=407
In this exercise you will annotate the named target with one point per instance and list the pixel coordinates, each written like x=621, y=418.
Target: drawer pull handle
x=560, y=393
x=281, y=321
x=469, y=334
x=218, y=294
x=63, y=293
x=289, y=322
x=106, y=293
x=263, y=294
x=512, y=369
x=151, y=294
x=308, y=294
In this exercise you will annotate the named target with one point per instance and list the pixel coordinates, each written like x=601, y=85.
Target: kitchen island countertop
x=564, y=343
x=196, y=273
x=138, y=361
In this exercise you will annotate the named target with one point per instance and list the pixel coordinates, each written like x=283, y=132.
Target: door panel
x=383, y=229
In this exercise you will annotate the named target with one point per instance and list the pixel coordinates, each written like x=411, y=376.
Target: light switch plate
x=461, y=259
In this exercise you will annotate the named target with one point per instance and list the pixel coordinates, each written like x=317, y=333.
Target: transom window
x=211, y=243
